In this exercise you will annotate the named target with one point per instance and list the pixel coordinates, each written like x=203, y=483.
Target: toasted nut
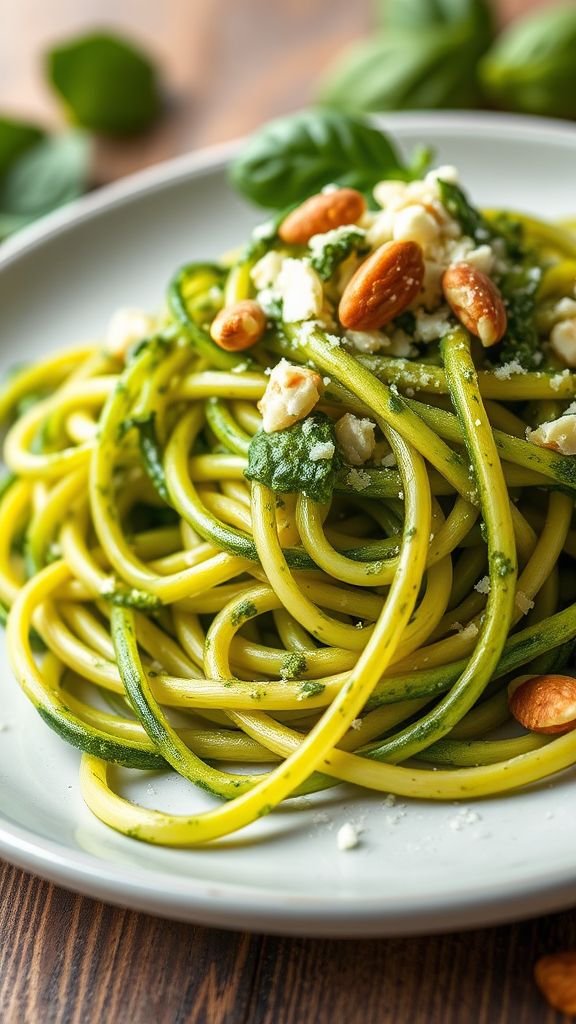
x=476, y=301
x=556, y=978
x=239, y=326
x=544, y=704
x=382, y=287
x=321, y=213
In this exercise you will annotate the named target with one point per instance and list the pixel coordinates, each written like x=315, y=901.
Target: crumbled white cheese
x=388, y=460
x=481, y=257
x=386, y=192
x=301, y=290
x=380, y=229
x=368, y=341
x=563, y=341
x=358, y=479
x=321, y=450
x=446, y=172
x=560, y=435
x=264, y=231
x=266, y=270
x=356, y=438
x=401, y=344
x=317, y=243
x=431, y=326
x=356, y=724
x=469, y=632
x=523, y=603
x=126, y=327
x=463, y=818
x=558, y=379
x=348, y=836
x=431, y=291
x=505, y=371
x=564, y=309
x=415, y=224
x=291, y=394
x=483, y=585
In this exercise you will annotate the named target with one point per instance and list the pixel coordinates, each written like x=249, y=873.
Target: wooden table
x=65, y=959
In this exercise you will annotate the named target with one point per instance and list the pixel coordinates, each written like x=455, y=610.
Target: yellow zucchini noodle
x=262, y=639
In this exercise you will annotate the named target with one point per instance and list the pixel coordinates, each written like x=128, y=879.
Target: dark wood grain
x=64, y=959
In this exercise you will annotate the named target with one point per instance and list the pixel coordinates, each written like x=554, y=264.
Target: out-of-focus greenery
x=107, y=86
x=446, y=54
x=15, y=138
x=48, y=174
x=425, y=55
x=532, y=66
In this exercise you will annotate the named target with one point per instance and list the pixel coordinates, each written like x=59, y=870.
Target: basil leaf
x=293, y=157
x=532, y=66
x=15, y=138
x=415, y=15
x=281, y=460
x=406, y=70
x=106, y=83
x=340, y=244
x=46, y=176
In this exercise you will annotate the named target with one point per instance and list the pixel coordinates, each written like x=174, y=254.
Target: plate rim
x=215, y=903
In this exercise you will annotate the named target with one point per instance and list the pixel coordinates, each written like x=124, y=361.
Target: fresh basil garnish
x=293, y=157
x=281, y=460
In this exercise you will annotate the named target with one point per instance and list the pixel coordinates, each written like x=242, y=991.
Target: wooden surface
x=64, y=959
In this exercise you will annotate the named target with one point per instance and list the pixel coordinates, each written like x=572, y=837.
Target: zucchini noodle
x=170, y=607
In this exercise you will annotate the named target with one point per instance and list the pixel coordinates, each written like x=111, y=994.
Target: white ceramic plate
x=419, y=867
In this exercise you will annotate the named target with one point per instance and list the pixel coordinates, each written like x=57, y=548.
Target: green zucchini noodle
x=325, y=618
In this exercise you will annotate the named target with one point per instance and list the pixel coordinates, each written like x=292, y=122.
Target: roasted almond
x=544, y=704
x=321, y=213
x=476, y=301
x=384, y=285
x=239, y=326
x=556, y=978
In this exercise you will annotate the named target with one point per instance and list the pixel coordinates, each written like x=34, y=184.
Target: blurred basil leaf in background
x=292, y=157
x=15, y=138
x=425, y=56
x=532, y=66
x=107, y=84
x=414, y=15
x=44, y=177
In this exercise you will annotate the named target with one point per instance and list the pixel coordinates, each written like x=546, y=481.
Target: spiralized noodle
x=308, y=644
